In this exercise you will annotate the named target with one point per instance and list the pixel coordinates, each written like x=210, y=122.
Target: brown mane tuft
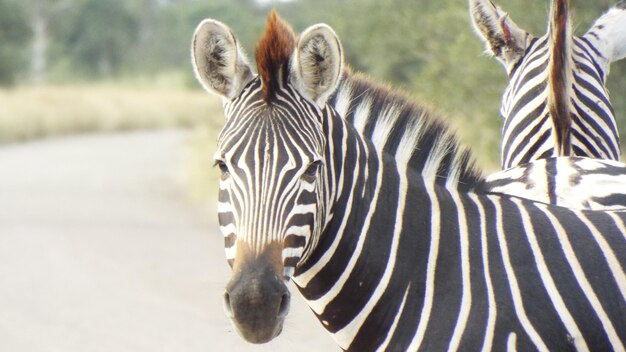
x=273, y=53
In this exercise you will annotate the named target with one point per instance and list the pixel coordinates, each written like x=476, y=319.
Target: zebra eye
x=222, y=166
x=310, y=173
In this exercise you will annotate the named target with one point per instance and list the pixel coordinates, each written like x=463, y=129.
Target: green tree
x=14, y=35
x=100, y=35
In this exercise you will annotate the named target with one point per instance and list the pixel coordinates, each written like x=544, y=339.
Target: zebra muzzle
x=257, y=301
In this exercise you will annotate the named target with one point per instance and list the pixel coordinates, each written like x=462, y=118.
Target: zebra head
x=271, y=153
x=557, y=75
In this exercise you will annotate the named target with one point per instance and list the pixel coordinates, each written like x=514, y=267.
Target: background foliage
x=14, y=32
x=425, y=47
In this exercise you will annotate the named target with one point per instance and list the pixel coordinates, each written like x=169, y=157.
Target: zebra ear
x=317, y=63
x=503, y=38
x=608, y=34
x=218, y=61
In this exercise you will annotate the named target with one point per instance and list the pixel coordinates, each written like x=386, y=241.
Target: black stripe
x=448, y=282
x=536, y=301
x=413, y=250
x=365, y=277
x=590, y=46
x=294, y=241
x=565, y=282
x=593, y=263
x=506, y=319
x=551, y=173
x=230, y=240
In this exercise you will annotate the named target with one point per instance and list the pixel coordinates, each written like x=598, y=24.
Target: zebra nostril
x=227, y=306
x=283, y=309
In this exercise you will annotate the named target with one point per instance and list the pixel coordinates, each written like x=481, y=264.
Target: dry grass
x=201, y=178
x=37, y=112
x=28, y=113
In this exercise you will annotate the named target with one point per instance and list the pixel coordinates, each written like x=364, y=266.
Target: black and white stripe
x=402, y=248
x=266, y=176
x=410, y=258
x=572, y=182
x=537, y=86
x=421, y=264
x=528, y=130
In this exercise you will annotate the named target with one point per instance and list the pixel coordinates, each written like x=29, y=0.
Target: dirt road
x=101, y=251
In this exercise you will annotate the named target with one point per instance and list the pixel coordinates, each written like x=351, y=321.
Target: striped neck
x=402, y=129
x=362, y=178
x=368, y=218
x=405, y=263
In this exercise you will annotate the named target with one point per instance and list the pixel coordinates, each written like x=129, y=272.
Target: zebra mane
x=560, y=37
x=399, y=126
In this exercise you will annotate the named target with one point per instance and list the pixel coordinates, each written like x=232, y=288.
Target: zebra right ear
x=608, y=34
x=503, y=38
x=317, y=63
x=218, y=61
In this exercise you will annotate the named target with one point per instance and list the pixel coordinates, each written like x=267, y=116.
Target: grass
x=46, y=111
x=36, y=112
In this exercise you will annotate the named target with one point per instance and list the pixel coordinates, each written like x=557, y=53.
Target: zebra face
x=271, y=159
x=272, y=176
x=271, y=155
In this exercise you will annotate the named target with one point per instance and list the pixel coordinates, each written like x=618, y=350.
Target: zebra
x=397, y=250
x=556, y=103
x=572, y=182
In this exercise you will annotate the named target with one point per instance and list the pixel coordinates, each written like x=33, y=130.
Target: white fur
x=610, y=30
x=385, y=124
x=574, y=189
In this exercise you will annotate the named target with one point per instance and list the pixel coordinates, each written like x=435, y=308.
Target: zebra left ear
x=504, y=39
x=317, y=63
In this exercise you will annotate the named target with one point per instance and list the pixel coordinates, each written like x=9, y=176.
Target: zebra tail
x=560, y=74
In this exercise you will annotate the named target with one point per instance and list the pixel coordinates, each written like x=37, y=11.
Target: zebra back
x=556, y=102
x=572, y=182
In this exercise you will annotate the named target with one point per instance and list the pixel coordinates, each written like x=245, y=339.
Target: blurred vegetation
x=425, y=47
x=104, y=107
x=13, y=34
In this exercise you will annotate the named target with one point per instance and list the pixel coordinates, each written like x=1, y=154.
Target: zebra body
x=465, y=272
x=390, y=240
x=572, y=182
x=556, y=103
